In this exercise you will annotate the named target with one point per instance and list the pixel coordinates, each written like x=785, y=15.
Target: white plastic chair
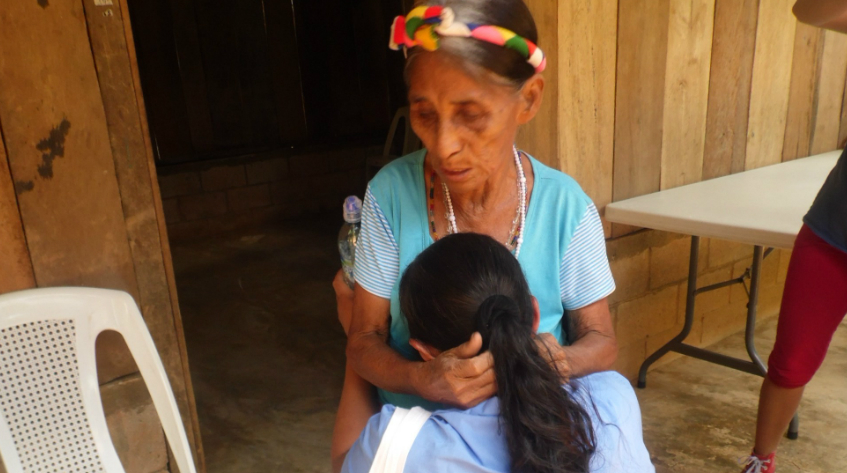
x=411, y=142
x=51, y=416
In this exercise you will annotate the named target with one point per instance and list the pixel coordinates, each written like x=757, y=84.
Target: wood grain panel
x=285, y=70
x=771, y=81
x=642, y=57
x=163, y=232
x=587, y=95
x=830, y=93
x=730, y=74
x=798, y=126
x=57, y=143
x=187, y=44
x=111, y=56
x=157, y=43
x=639, y=99
x=842, y=134
x=686, y=91
x=539, y=137
x=16, y=272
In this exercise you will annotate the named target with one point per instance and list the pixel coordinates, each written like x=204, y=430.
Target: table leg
x=752, y=366
x=794, y=427
x=752, y=306
x=689, y=314
x=756, y=365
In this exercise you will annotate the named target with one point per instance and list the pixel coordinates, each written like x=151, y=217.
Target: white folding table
x=763, y=207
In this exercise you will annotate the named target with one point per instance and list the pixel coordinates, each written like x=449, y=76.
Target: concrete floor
x=267, y=358
x=264, y=345
x=699, y=417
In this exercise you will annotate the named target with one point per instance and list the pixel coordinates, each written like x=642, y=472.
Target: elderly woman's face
x=467, y=123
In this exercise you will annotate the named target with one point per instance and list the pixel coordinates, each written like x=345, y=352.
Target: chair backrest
x=51, y=416
x=411, y=142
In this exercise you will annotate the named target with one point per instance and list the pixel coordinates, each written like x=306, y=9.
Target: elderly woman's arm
x=594, y=347
x=460, y=377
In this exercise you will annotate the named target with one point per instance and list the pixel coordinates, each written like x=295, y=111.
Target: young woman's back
x=467, y=283
x=471, y=441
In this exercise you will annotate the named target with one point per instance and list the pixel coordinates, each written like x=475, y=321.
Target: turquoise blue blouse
x=563, y=254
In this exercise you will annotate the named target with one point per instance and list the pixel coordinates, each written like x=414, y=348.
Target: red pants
x=813, y=304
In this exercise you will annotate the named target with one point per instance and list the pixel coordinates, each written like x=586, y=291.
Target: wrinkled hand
x=555, y=354
x=460, y=376
x=343, y=300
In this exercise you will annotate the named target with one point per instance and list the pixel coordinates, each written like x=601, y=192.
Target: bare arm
x=367, y=346
x=594, y=346
x=358, y=404
x=460, y=376
x=343, y=301
x=829, y=14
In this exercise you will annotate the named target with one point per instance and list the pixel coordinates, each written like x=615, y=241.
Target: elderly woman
x=474, y=77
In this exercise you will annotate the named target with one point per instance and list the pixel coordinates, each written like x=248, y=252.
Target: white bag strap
x=398, y=438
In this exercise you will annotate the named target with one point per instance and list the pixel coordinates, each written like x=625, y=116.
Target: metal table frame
x=753, y=366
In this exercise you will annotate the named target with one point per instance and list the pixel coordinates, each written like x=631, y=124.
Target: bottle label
x=347, y=250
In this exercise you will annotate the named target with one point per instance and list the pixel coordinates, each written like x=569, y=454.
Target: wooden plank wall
x=79, y=202
x=16, y=272
x=539, y=136
x=829, y=92
x=654, y=94
x=586, y=91
x=731, y=69
x=801, y=97
x=58, y=149
x=770, y=85
x=686, y=91
x=642, y=48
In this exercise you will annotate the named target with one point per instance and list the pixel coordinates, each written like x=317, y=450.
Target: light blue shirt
x=563, y=254
x=471, y=441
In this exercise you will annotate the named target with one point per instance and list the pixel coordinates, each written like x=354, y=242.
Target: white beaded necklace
x=521, y=212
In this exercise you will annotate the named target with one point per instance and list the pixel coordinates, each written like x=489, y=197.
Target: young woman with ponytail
x=469, y=283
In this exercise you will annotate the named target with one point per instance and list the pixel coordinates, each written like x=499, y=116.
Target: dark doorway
x=229, y=78
x=262, y=115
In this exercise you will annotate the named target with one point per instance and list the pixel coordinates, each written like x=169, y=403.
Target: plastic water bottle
x=348, y=237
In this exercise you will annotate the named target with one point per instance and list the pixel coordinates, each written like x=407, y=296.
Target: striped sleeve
x=585, y=276
x=377, y=263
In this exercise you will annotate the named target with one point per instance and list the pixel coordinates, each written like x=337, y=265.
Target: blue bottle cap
x=352, y=209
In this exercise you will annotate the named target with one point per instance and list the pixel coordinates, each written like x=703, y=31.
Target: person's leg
x=776, y=408
x=814, y=303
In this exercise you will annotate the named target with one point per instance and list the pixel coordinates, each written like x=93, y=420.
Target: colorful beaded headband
x=424, y=26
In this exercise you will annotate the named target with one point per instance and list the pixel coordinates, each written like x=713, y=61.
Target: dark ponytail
x=468, y=282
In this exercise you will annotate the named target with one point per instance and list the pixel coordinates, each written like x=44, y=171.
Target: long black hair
x=513, y=15
x=467, y=283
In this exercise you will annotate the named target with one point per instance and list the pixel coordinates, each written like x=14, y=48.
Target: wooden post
x=16, y=272
x=141, y=201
